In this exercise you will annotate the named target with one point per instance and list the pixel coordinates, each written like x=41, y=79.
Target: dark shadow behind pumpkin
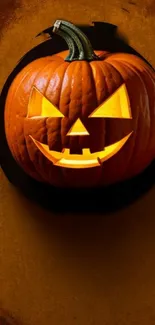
x=103, y=36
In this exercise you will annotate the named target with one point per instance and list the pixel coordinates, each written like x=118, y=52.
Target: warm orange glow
x=78, y=129
x=85, y=160
x=116, y=106
x=40, y=106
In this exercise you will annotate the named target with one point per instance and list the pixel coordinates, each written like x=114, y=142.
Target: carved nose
x=78, y=129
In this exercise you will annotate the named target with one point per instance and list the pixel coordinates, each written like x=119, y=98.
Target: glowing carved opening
x=40, y=106
x=116, y=106
x=78, y=129
x=85, y=160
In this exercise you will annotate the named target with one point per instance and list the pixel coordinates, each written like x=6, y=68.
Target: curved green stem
x=80, y=41
x=71, y=45
x=59, y=27
x=89, y=52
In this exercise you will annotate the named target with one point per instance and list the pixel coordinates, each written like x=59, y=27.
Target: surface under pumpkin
x=82, y=117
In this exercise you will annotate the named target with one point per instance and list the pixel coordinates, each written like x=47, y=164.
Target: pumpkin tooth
x=66, y=151
x=86, y=151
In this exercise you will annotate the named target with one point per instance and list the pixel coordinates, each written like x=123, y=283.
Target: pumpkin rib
x=62, y=170
x=98, y=136
x=41, y=159
x=102, y=94
x=47, y=85
x=93, y=77
x=116, y=82
x=54, y=95
x=110, y=66
x=130, y=58
x=88, y=92
x=97, y=70
x=48, y=91
x=137, y=132
x=61, y=94
x=149, y=81
x=142, y=76
x=72, y=71
x=71, y=74
x=79, y=73
x=111, y=85
x=56, y=70
x=26, y=148
x=96, y=73
x=109, y=167
x=65, y=75
x=26, y=166
x=66, y=95
x=81, y=110
x=105, y=96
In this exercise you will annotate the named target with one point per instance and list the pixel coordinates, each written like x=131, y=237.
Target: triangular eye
x=116, y=106
x=40, y=106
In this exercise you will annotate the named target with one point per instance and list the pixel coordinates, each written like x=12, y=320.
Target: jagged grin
x=84, y=160
x=116, y=106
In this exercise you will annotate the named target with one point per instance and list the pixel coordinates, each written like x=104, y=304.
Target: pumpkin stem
x=79, y=41
x=71, y=45
x=72, y=40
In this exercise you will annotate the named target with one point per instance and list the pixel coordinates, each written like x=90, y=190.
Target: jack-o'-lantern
x=83, y=117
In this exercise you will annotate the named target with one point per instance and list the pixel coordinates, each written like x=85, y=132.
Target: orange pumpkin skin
x=77, y=88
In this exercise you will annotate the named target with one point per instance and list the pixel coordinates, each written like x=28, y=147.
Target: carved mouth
x=84, y=160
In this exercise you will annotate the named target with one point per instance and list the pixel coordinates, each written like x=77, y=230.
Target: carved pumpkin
x=82, y=118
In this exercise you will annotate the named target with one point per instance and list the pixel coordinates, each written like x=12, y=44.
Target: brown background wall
x=64, y=270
